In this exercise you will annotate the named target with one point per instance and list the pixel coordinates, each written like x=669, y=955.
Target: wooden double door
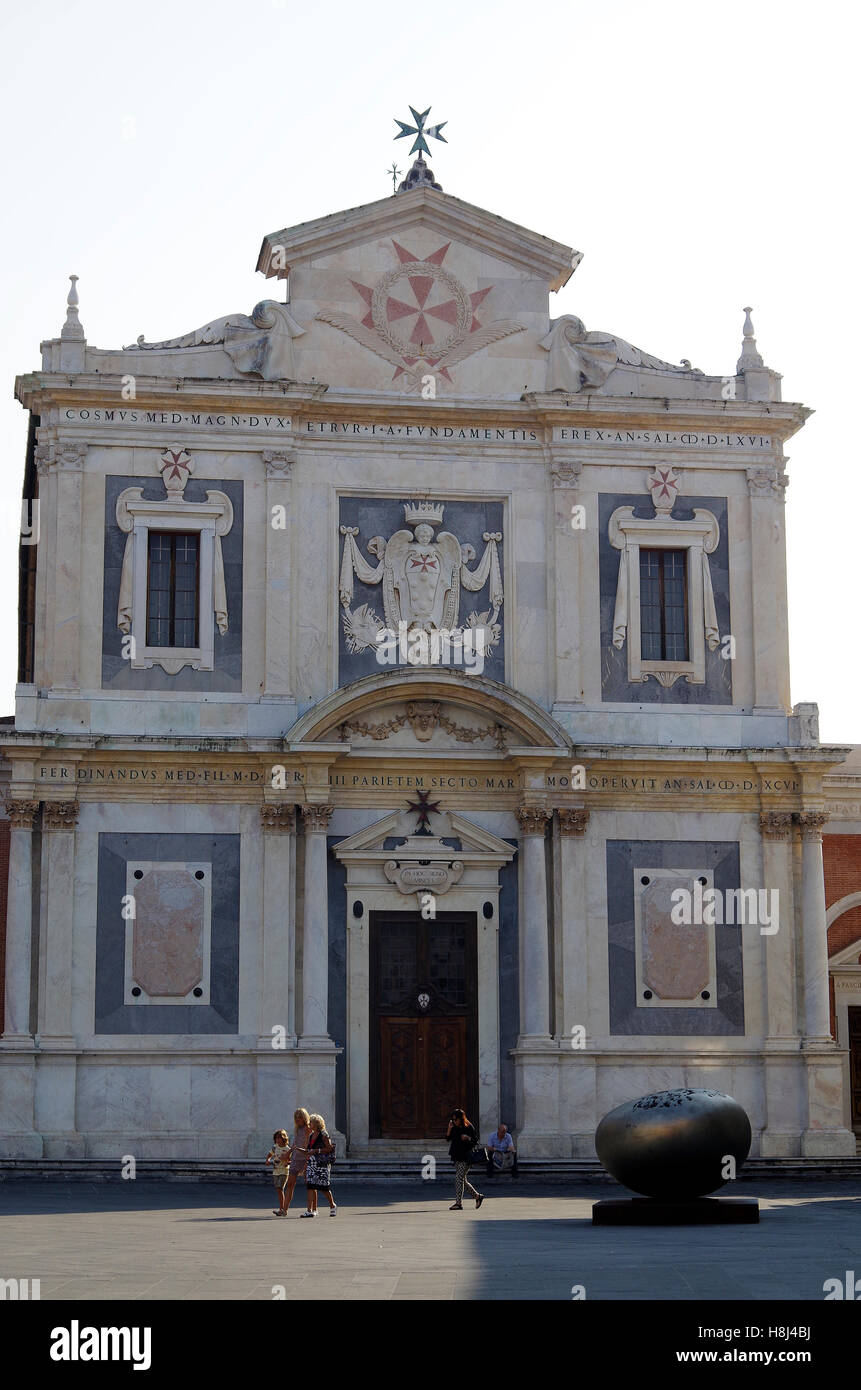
x=424, y=1034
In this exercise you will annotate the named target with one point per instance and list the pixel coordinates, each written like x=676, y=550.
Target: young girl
x=318, y=1175
x=279, y=1157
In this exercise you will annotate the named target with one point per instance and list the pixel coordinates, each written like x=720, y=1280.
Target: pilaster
x=766, y=486
x=19, y=925
x=59, y=819
x=277, y=1002
x=278, y=464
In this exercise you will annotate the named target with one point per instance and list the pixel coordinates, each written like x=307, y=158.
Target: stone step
x=386, y=1169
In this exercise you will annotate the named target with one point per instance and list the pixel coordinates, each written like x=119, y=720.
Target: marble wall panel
x=722, y=858
x=221, y=1015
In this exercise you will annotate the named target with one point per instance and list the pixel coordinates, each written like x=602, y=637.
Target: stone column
x=277, y=955
x=780, y=1004
x=279, y=494
x=573, y=821
x=534, y=941
x=55, y=1006
x=817, y=1019
x=766, y=486
x=783, y=1069
x=567, y=547
x=315, y=928
x=19, y=924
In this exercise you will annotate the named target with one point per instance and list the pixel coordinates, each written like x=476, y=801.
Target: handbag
x=325, y=1157
x=477, y=1155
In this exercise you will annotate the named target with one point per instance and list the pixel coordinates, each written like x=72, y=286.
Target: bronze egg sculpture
x=674, y=1144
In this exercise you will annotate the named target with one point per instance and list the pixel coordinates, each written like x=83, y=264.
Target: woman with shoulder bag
x=462, y=1137
x=318, y=1174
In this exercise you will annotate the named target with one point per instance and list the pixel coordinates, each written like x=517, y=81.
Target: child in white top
x=279, y=1157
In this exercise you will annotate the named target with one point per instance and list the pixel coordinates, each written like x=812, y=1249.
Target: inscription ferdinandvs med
x=442, y=780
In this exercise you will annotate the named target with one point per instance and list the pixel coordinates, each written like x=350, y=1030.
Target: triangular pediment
x=376, y=842
x=440, y=214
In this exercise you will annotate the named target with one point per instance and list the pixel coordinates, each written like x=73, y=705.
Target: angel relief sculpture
x=581, y=361
x=260, y=343
x=421, y=576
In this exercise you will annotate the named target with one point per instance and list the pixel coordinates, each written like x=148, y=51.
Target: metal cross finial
x=395, y=173
x=420, y=130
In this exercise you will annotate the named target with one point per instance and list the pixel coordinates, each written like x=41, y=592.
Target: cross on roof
x=419, y=130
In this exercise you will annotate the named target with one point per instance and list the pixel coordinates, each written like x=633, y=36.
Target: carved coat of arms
x=421, y=571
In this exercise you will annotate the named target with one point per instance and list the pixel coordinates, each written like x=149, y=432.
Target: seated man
x=501, y=1153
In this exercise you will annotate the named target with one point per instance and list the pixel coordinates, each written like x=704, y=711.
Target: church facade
x=404, y=721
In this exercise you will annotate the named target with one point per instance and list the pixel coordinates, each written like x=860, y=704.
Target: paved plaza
x=147, y=1240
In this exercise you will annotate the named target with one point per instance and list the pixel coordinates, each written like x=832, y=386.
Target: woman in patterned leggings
x=462, y=1137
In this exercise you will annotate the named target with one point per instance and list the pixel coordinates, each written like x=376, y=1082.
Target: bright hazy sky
x=703, y=157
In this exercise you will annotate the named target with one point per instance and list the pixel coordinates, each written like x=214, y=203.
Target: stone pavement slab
x=146, y=1241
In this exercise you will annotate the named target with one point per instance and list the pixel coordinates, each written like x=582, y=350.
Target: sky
x=702, y=157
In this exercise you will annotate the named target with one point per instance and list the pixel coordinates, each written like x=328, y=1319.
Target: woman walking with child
x=318, y=1174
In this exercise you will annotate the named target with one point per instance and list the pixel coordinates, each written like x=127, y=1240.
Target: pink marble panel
x=167, y=957
x=675, y=956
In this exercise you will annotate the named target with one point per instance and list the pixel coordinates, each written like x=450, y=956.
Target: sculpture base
x=654, y=1211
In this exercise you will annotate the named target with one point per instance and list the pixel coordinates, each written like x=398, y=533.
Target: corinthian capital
x=278, y=815
x=811, y=823
x=316, y=819
x=533, y=819
x=60, y=815
x=573, y=820
x=22, y=813
x=775, y=825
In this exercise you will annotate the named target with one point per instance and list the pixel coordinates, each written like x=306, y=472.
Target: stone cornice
x=40, y=391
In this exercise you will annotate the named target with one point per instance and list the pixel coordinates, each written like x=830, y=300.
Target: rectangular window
x=663, y=605
x=172, y=589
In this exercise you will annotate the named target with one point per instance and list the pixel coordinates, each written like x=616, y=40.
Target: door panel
x=423, y=1024
x=445, y=1081
x=401, y=1077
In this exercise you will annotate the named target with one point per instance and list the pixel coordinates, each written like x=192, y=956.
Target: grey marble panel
x=221, y=1015
x=615, y=685
x=117, y=673
x=722, y=858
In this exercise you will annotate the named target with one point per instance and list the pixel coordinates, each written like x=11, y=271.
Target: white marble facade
x=409, y=357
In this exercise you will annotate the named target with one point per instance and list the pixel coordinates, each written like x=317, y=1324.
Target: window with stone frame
x=172, y=588
x=663, y=605
x=173, y=593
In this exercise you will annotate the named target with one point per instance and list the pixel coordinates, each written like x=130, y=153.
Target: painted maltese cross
x=423, y=807
x=663, y=484
x=424, y=563
x=420, y=130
